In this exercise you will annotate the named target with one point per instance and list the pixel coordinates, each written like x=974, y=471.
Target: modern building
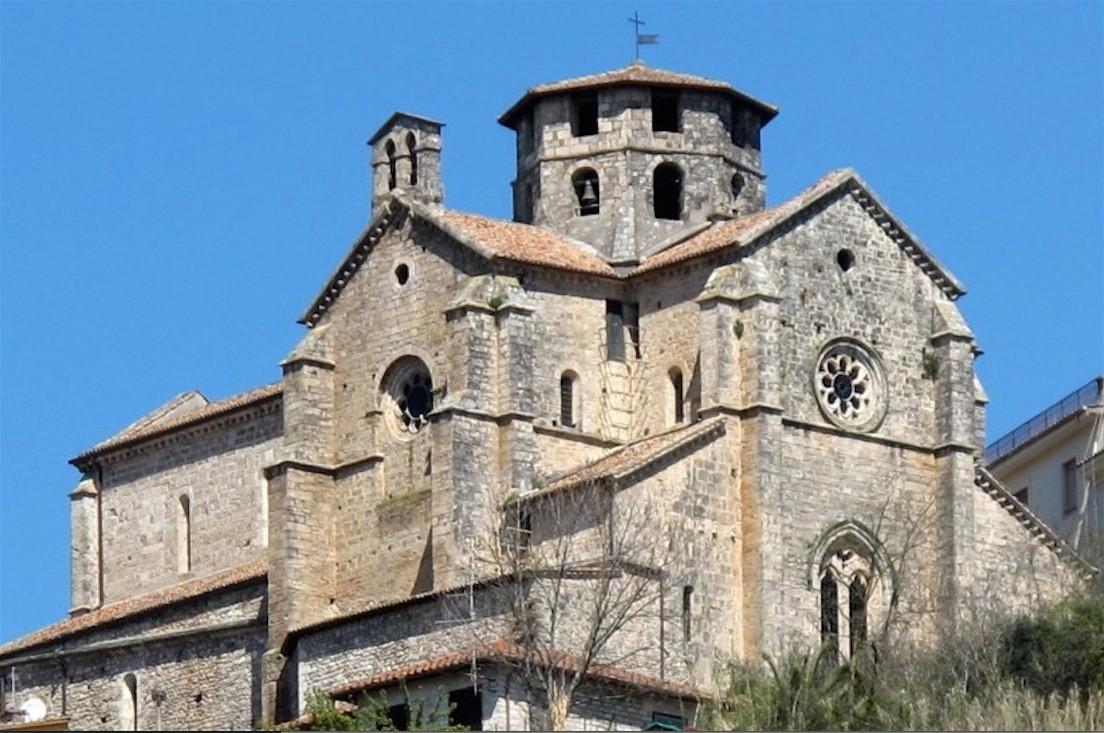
x=650, y=426
x=1052, y=463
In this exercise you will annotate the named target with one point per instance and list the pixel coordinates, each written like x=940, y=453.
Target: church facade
x=786, y=393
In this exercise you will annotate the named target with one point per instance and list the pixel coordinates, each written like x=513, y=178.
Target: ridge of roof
x=628, y=458
x=132, y=434
x=138, y=605
x=636, y=73
x=505, y=649
x=524, y=243
x=1038, y=529
x=157, y=415
x=511, y=241
x=746, y=229
x=490, y=238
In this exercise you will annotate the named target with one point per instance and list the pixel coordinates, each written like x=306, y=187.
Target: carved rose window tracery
x=849, y=386
x=408, y=395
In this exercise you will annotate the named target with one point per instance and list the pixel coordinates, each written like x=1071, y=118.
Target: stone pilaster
x=300, y=509
x=468, y=421
x=85, y=562
x=950, y=364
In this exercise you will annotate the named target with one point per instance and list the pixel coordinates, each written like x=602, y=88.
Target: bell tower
x=628, y=159
x=406, y=155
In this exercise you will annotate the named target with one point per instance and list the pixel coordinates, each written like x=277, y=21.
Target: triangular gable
x=166, y=418
x=491, y=239
x=746, y=230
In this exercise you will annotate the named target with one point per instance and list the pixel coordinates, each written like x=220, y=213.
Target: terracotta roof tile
x=631, y=457
x=503, y=649
x=509, y=240
x=634, y=74
x=743, y=230
x=144, y=430
x=139, y=605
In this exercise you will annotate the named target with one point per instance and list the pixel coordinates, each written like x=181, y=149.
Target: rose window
x=408, y=395
x=848, y=386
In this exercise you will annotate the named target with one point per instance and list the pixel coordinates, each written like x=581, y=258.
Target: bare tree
x=580, y=574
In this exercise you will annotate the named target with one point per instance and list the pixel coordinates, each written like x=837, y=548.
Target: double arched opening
x=852, y=573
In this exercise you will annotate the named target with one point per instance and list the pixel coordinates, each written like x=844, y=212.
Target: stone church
x=790, y=388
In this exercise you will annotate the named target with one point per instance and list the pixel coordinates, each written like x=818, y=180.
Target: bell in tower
x=630, y=159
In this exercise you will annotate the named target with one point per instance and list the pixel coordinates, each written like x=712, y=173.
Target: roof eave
x=767, y=111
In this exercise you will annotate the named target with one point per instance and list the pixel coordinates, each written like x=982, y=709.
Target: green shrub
x=1060, y=649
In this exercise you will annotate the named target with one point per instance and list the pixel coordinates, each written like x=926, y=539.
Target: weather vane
x=642, y=39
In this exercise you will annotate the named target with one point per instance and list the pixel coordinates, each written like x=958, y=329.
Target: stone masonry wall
x=200, y=681
x=219, y=467
x=624, y=153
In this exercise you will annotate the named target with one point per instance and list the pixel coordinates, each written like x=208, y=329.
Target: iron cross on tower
x=642, y=39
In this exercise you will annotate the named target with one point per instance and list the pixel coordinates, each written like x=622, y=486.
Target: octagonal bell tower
x=628, y=159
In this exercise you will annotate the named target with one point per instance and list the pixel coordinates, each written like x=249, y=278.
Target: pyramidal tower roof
x=636, y=73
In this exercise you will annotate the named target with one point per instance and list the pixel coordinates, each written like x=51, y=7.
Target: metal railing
x=1081, y=397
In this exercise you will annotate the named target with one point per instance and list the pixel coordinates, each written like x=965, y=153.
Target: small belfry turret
x=627, y=159
x=406, y=156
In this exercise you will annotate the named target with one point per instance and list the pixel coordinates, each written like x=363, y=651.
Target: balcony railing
x=1045, y=420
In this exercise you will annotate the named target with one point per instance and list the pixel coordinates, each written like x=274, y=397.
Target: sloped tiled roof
x=628, y=458
x=531, y=245
x=139, y=605
x=1038, y=529
x=504, y=649
x=634, y=74
x=144, y=430
x=725, y=234
x=746, y=229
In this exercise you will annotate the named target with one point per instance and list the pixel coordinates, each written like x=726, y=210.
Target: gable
x=761, y=228
x=492, y=240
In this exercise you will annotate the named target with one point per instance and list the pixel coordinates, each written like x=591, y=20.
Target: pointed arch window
x=667, y=191
x=847, y=576
x=587, y=191
x=410, y=148
x=184, y=534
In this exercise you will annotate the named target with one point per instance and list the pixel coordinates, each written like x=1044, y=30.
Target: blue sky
x=178, y=179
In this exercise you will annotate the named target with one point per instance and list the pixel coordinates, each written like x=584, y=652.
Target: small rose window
x=408, y=395
x=848, y=385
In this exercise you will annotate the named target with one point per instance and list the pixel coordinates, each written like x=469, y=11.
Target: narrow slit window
x=411, y=149
x=687, y=609
x=584, y=120
x=184, y=535
x=567, y=400
x=392, y=179
x=667, y=191
x=130, y=703
x=665, y=111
